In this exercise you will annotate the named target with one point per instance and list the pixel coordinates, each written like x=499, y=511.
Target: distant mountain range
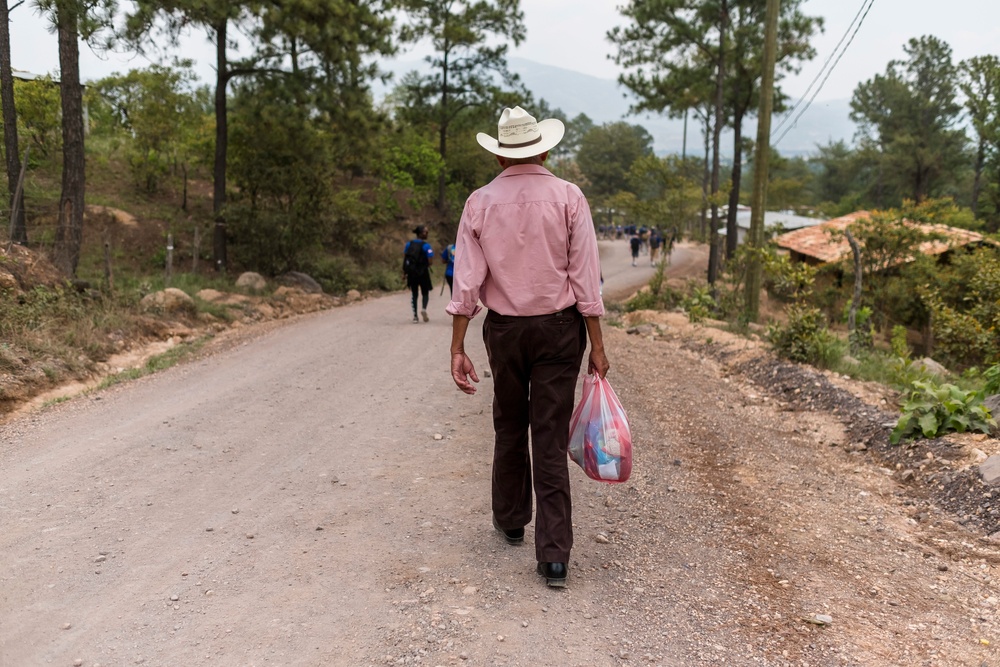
x=604, y=101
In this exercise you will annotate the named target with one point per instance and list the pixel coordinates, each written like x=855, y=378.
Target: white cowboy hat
x=520, y=135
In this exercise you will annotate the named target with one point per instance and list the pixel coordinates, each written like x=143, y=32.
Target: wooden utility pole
x=763, y=155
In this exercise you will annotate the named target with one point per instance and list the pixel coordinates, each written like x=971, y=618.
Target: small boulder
x=170, y=300
x=931, y=366
x=210, y=295
x=353, y=295
x=251, y=280
x=989, y=470
x=641, y=330
x=993, y=403
x=7, y=280
x=302, y=281
x=298, y=301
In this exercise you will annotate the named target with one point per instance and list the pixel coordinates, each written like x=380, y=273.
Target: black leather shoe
x=513, y=536
x=554, y=573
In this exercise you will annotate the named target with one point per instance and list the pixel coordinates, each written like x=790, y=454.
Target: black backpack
x=415, y=259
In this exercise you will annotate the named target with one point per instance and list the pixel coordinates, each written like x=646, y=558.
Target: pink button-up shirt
x=526, y=246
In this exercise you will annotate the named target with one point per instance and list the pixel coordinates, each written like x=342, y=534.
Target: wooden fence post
x=109, y=278
x=197, y=248
x=170, y=258
x=18, y=192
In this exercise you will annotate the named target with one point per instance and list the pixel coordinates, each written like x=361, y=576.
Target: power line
x=822, y=69
x=825, y=78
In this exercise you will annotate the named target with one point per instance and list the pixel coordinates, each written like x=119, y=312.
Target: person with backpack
x=655, y=241
x=448, y=256
x=634, y=244
x=417, y=258
x=528, y=251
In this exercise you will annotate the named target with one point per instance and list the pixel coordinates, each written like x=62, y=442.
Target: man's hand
x=598, y=362
x=461, y=370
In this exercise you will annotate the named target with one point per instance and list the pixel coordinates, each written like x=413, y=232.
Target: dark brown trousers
x=535, y=363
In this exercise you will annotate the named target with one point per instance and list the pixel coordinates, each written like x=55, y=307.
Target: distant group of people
x=649, y=241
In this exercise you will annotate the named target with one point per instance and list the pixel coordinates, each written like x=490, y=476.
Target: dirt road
x=319, y=496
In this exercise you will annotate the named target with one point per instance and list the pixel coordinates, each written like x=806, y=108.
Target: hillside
x=604, y=101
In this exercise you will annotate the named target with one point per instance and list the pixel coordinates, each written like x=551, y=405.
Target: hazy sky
x=571, y=34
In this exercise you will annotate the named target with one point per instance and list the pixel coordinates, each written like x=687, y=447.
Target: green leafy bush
x=963, y=338
x=788, y=280
x=863, y=336
x=898, y=343
x=806, y=338
x=644, y=300
x=932, y=410
x=698, y=304
x=657, y=297
x=992, y=377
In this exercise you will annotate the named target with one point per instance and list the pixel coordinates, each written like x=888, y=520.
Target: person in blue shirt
x=448, y=256
x=417, y=258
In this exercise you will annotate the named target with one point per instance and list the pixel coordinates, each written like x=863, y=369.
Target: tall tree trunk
x=732, y=229
x=706, y=178
x=762, y=161
x=880, y=180
x=977, y=183
x=18, y=230
x=443, y=136
x=720, y=75
x=852, y=315
x=221, y=148
x=69, y=234
x=442, y=180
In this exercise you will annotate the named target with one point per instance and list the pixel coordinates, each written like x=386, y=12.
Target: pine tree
x=467, y=70
x=18, y=229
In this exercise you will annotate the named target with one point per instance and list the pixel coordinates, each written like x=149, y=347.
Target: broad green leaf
x=929, y=425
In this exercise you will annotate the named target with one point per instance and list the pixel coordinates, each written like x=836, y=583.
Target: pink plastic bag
x=599, y=438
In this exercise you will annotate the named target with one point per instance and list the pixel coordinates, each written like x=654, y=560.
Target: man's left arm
x=584, y=261
x=461, y=366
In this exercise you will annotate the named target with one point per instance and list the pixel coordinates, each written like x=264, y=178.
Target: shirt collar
x=521, y=169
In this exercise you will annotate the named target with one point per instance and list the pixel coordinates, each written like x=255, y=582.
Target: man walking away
x=655, y=240
x=417, y=258
x=527, y=249
x=634, y=244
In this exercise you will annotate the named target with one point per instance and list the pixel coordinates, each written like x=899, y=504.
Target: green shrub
x=992, y=377
x=932, y=410
x=337, y=274
x=657, y=297
x=900, y=348
x=698, y=304
x=788, y=280
x=644, y=300
x=806, y=338
x=863, y=336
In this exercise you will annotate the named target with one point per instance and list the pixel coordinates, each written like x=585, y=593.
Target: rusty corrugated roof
x=817, y=241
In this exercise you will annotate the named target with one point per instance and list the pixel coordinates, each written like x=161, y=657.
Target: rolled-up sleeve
x=470, y=264
x=584, y=259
